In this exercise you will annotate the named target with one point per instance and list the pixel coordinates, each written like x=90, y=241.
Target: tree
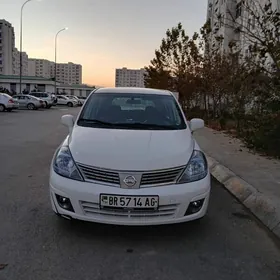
x=174, y=64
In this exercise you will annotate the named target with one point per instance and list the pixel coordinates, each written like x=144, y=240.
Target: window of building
x=253, y=23
x=239, y=9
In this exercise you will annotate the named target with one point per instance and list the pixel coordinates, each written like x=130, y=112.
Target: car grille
x=93, y=210
x=161, y=176
x=153, y=178
x=100, y=175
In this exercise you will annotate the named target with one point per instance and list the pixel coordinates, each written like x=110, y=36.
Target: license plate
x=134, y=202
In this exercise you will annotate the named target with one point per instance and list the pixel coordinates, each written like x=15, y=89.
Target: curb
x=264, y=207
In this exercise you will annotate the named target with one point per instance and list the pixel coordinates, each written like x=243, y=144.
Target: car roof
x=133, y=90
x=25, y=95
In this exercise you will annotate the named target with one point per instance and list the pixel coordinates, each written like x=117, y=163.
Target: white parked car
x=82, y=99
x=64, y=100
x=7, y=103
x=75, y=98
x=130, y=159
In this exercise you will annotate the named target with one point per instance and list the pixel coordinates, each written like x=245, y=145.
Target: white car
x=82, y=99
x=64, y=100
x=130, y=159
x=7, y=103
x=75, y=98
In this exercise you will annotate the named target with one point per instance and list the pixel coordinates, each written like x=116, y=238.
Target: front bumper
x=12, y=106
x=174, y=201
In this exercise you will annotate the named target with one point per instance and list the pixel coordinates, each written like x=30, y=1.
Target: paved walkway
x=259, y=171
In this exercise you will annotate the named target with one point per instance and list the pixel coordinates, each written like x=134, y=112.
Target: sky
x=102, y=35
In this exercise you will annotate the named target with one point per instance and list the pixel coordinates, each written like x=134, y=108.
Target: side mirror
x=196, y=124
x=68, y=120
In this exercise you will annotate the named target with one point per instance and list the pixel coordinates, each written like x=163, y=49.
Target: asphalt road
x=36, y=245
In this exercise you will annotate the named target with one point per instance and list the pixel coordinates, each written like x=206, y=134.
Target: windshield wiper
x=146, y=126
x=137, y=125
x=94, y=121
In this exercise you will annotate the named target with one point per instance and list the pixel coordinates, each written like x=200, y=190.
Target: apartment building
x=7, y=45
x=67, y=73
x=39, y=68
x=16, y=63
x=9, y=55
x=226, y=17
x=130, y=77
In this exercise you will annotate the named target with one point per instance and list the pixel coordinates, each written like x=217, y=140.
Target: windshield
x=132, y=111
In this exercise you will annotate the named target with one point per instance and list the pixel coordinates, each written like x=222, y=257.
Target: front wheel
x=30, y=106
x=70, y=104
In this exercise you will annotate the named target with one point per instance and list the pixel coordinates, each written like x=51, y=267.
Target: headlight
x=196, y=169
x=65, y=166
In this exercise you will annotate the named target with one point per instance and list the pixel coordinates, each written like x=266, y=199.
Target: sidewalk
x=252, y=179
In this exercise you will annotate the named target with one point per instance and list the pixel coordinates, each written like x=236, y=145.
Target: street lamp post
x=20, y=53
x=55, y=56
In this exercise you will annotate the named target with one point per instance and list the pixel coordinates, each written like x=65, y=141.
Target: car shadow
x=148, y=234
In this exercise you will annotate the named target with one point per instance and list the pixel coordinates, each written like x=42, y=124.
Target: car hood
x=137, y=150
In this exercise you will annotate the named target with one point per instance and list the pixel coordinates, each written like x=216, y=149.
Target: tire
x=49, y=106
x=70, y=104
x=46, y=103
x=2, y=108
x=30, y=106
x=9, y=110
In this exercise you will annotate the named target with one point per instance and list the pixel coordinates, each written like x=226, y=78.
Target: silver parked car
x=28, y=101
x=48, y=98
